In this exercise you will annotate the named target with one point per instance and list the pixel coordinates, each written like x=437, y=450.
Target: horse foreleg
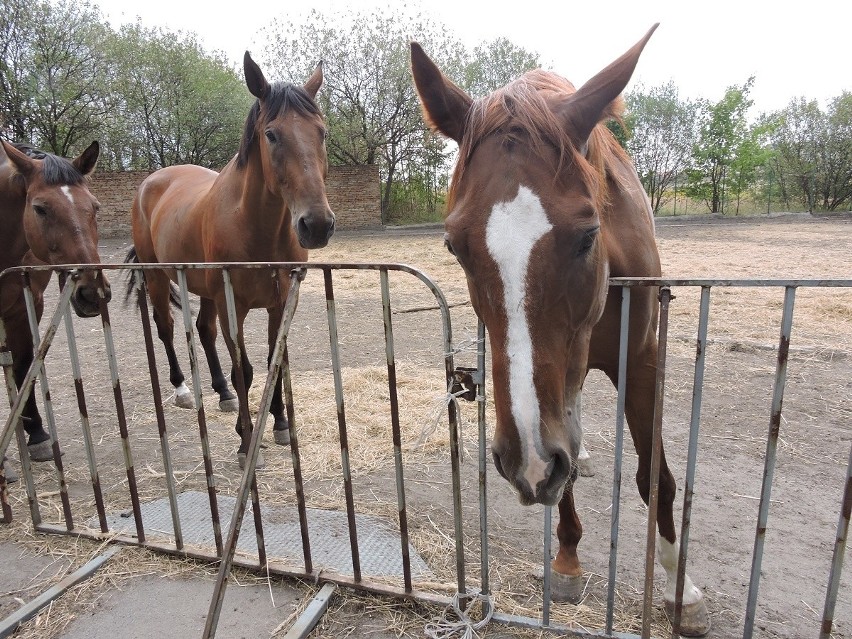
x=39, y=442
x=242, y=374
x=158, y=291
x=584, y=460
x=281, y=428
x=639, y=408
x=206, y=325
x=567, y=583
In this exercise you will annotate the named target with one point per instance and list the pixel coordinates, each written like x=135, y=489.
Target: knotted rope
x=462, y=626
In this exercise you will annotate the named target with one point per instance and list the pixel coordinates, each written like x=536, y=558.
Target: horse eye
x=588, y=240
x=270, y=135
x=448, y=244
x=40, y=210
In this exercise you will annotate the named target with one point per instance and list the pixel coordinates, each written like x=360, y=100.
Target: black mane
x=56, y=170
x=282, y=96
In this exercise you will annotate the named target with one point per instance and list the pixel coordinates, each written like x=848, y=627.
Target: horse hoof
x=42, y=451
x=261, y=462
x=566, y=588
x=694, y=618
x=586, y=467
x=229, y=405
x=184, y=401
x=282, y=437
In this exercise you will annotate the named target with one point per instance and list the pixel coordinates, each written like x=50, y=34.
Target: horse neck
x=13, y=241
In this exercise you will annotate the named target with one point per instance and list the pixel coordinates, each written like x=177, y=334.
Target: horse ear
x=312, y=86
x=86, y=161
x=23, y=164
x=585, y=108
x=445, y=106
x=255, y=80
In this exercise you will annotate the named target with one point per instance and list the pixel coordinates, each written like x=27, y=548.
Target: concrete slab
x=167, y=608
x=24, y=575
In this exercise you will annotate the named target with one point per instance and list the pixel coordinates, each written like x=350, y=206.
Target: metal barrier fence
x=466, y=383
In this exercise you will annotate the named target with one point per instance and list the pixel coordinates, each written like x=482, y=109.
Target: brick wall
x=353, y=194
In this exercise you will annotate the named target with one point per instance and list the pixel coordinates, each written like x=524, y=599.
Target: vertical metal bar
x=656, y=450
x=48, y=403
x=84, y=422
x=202, y=416
x=247, y=482
x=769, y=464
x=158, y=408
x=12, y=392
x=297, y=462
x=694, y=425
x=395, y=428
x=341, y=422
x=244, y=413
x=483, y=463
x=548, y=558
x=839, y=550
x=619, y=454
x=122, y=418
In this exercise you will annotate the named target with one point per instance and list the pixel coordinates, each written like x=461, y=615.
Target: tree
x=53, y=72
x=495, y=64
x=723, y=129
x=175, y=103
x=661, y=137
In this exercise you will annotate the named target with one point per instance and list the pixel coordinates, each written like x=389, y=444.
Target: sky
x=792, y=50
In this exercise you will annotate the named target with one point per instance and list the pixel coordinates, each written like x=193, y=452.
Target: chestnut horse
x=48, y=216
x=267, y=205
x=544, y=207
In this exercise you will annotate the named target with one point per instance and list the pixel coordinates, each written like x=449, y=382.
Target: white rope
x=455, y=622
x=441, y=403
x=469, y=345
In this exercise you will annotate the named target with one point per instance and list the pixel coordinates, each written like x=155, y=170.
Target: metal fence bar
x=244, y=414
x=341, y=422
x=769, y=465
x=483, y=462
x=122, y=417
x=165, y=449
x=692, y=454
x=618, y=453
x=48, y=409
x=248, y=482
x=656, y=455
x=84, y=422
x=199, y=407
x=837, y=558
x=395, y=429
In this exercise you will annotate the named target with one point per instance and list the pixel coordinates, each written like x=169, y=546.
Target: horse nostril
x=498, y=465
x=107, y=293
x=303, y=229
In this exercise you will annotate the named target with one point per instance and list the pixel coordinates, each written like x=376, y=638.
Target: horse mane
x=524, y=104
x=56, y=170
x=282, y=96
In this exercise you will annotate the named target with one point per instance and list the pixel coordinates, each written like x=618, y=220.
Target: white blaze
x=67, y=191
x=512, y=231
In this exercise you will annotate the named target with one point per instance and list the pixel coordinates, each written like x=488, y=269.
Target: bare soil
x=813, y=449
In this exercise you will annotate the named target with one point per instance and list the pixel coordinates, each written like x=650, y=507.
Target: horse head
x=526, y=221
x=60, y=216
x=288, y=129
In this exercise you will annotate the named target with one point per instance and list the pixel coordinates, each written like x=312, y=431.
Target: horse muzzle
x=314, y=230
x=543, y=485
x=86, y=300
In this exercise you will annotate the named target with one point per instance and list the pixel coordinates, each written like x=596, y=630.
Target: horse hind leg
x=158, y=290
x=242, y=374
x=206, y=324
x=39, y=441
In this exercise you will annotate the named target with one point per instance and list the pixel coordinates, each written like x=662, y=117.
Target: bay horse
x=544, y=206
x=268, y=204
x=48, y=216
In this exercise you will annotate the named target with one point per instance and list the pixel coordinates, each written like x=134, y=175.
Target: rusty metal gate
x=169, y=531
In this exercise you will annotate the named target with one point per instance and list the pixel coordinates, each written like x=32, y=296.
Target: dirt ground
x=813, y=450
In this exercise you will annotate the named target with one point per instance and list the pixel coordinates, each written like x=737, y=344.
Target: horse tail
x=135, y=279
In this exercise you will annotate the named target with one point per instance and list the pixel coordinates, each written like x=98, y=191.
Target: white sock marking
x=183, y=389
x=512, y=231
x=667, y=553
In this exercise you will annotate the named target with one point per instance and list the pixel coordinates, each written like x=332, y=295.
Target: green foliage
x=663, y=133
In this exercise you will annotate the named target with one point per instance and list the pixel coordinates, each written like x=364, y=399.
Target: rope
x=442, y=402
x=461, y=626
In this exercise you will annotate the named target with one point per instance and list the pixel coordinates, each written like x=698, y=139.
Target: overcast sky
x=792, y=49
